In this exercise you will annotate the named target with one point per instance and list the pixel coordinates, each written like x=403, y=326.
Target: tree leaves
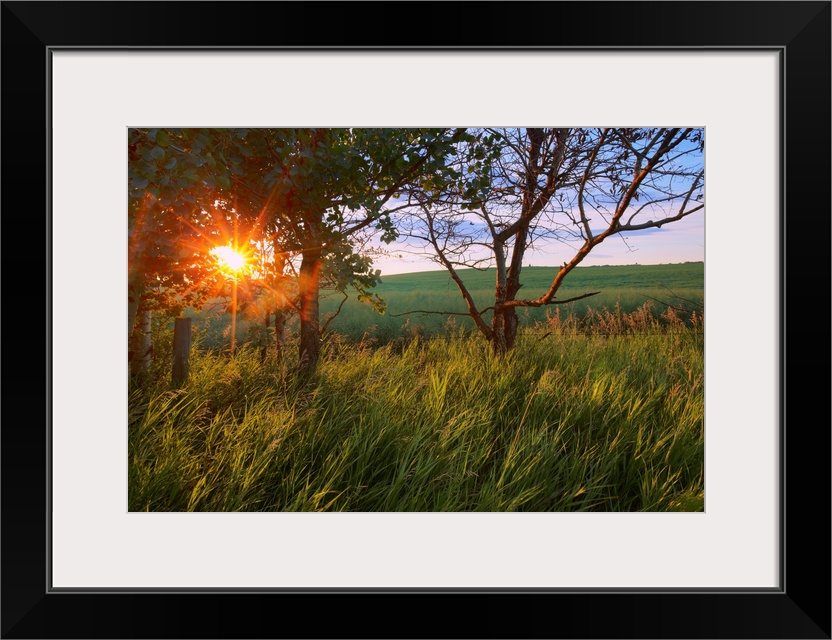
x=162, y=138
x=316, y=186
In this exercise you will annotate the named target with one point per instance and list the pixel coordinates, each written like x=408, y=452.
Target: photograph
x=461, y=319
x=415, y=309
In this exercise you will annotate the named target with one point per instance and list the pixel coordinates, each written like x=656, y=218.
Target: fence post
x=181, y=351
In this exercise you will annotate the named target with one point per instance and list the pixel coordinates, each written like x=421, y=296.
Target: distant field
x=628, y=286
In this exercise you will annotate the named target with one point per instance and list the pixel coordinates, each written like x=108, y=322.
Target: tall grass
x=604, y=415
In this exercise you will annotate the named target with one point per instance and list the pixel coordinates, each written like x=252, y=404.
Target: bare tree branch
x=334, y=315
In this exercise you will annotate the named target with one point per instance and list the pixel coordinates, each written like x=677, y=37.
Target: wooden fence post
x=181, y=351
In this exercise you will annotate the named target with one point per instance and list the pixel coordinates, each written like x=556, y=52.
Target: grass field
x=595, y=412
x=625, y=287
x=567, y=423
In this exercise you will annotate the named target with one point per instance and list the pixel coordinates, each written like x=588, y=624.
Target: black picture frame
x=800, y=608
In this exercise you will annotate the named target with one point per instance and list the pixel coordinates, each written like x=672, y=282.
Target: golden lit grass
x=572, y=420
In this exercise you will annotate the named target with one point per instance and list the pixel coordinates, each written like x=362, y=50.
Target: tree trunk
x=140, y=344
x=309, y=280
x=505, y=322
x=181, y=351
x=145, y=341
x=135, y=288
x=265, y=349
x=280, y=260
x=498, y=339
x=279, y=333
x=505, y=332
x=512, y=323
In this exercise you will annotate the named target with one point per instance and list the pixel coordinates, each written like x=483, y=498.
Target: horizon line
x=543, y=266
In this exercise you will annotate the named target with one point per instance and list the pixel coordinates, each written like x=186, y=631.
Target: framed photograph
x=86, y=80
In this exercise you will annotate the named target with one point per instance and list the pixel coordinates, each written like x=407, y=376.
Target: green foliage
x=345, y=269
x=169, y=229
x=259, y=335
x=569, y=422
x=301, y=188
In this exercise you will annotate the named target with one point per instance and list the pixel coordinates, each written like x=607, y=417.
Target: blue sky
x=661, y=197
x=681, y=241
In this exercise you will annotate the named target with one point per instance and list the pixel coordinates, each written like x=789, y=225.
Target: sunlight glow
x=229, y=259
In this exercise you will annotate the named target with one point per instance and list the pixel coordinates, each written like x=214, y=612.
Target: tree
x=310, y=190
x=170, y=230
x=319, y=187
x=575, y=186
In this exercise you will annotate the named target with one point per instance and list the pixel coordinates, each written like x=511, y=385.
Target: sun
x=229, y=259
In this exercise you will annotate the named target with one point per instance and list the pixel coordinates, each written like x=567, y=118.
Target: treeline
x=302, y=206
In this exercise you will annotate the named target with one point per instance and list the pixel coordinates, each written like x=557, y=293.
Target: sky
x=681, y=241
x=661, y=197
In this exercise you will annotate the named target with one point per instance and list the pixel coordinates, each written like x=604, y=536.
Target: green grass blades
x=605, y=419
